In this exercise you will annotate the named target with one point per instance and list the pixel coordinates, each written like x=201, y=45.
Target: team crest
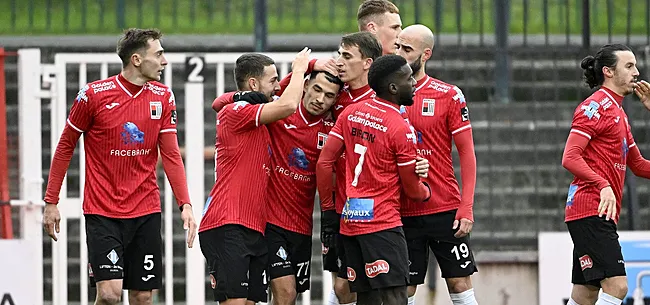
x=322, y=138
x=156, y=110
x=428, y=107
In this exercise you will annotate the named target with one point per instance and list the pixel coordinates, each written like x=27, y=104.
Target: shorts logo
x=352, y=275
x=376, y=268
x=112, y=256
x=282, y=253
x=586, y=262
x=90, y=271
x=324, y=249
x=213, y=282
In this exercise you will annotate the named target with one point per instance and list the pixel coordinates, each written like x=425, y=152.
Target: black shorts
x=290, y=254
x=596, y=251
x=334, y=258
x=435, y=232
x=128, y=249
x=237, y=261
x=376, y=260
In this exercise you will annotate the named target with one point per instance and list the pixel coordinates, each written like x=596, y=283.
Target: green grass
x=302, y=16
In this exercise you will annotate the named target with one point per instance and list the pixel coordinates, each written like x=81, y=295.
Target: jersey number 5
x=361, y=150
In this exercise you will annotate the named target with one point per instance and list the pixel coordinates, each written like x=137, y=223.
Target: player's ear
x=367, y=63
x=136, y=59
x=252, y=84
x=371, y=27
x=427, y=55
x=608, y=72
x=306, y=86
x=392, y=88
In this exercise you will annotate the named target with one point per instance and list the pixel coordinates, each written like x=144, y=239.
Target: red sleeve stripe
x=582, y=133
x=461, y=129
x=168, y=130
x=74, y=127
x=336, y=135
x=406, y=163
x=257, y=116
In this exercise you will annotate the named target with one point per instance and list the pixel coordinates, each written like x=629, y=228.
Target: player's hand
x=327, y=65
x=51, y=220
x=189, y=224
x=252, y=97
x=465, y=227
x=422, y=167
x=642, y=90
x=301, y=63
x=607, y=204
x=329, y=227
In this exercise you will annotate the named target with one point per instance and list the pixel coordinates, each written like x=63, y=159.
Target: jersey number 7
x=361, y=150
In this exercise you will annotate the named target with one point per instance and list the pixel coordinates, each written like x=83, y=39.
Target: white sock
x=572, y=302
x=333, y=299
x=606, y=299
x=353, y=303
x=463, y=298
x=411, y=300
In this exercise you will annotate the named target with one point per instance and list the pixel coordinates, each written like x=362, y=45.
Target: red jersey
x=438, y=113
x=377, y=141
x=345, y=98
x=121, y=131
x=239, y=193
x=296, y=145
x=601, y=119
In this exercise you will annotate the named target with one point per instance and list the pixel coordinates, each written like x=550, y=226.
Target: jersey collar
x=129, y=88
x=617, y=99
x=386, y=103
x=306, y=116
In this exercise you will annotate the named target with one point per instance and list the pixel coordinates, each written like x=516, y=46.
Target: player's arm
x=79, y=121
x=331, y=152
x=639, y=165
x=465, y=145
x=223, y=100
x=289, y=100
x=573, y=161
x=174, y=168
x=461, y=130
x=405, y=152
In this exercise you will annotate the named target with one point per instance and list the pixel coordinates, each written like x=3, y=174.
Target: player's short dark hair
x=331, y=78
x=383, y=72
x=135, y=40
x=369, y=10
x=368, y=45
x=593, y=65
x=250, y=65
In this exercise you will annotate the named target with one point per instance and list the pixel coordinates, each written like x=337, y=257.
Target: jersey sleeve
x=458, y=113
x=243, y=116
x=630, y=138
x=403, y=144
x=169, y=115
x=82, y=111
x=587, y=120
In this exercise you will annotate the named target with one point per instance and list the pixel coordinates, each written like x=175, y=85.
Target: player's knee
x=284, y=294
x=616, y=287
x=459, y=284
x=394, y=295
x=140, y=297
x=342, y=291
x=109, y=296
x=410, y=291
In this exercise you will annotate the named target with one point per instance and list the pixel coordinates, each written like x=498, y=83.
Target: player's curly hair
x=135, y=40
x=593, y=65
x=383, y=72
x=369, y=10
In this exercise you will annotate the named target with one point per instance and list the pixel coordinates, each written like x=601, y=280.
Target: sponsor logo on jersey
x=105, y=86
x=132, y=134
x=298, y=159
x=322, y=138
x=591, y=110
x=81, y=95
x=428, y=107
x=156, y=110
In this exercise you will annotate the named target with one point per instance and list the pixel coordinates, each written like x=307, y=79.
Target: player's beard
x=406, y=98
x=416, y=65
x=624, y=83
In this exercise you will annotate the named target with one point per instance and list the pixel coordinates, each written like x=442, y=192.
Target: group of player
x=364, y=130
